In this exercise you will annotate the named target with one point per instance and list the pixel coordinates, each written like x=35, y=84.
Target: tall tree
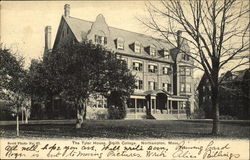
x=85, y=69
x=43, y=81
x=13, y=82
x=217, y=32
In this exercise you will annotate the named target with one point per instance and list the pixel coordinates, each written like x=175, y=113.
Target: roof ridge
x=121, y=29
x=78, y=19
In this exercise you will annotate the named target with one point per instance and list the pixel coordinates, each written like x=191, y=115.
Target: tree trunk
x=80, y=113
x=17, y=123
x=52, y=107
x=85, y=110
x=215, y=110
x=216, y=121
x=22, y=115
x=26, y=116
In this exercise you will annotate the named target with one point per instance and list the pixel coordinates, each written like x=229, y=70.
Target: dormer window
x=137, y=47
x=185, y=57
x=152, y=51
x=100, y=40
x=166, y=53
x=120, y=43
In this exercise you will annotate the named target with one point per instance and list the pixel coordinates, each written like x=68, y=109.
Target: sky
x=23, y=23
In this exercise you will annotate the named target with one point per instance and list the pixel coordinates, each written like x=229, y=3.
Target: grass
x=130, y=129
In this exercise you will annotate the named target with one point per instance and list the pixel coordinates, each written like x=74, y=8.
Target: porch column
x=135, y=108
x=155, y=105
x=151, y=105
x=147, y=107
x=103, y=102
x=178, y=108
x=167, y=105
x=170, y=102
x=97, y=103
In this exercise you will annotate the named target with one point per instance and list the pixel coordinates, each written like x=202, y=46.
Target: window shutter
x=105, y=40
x=140, y=66
x=95, y=38
x=155, y=85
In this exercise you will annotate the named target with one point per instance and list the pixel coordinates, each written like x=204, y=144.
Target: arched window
x=137, y=47
x=100, y=38
x=120, y=43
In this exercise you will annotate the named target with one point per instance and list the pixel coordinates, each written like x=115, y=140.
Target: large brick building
x=164, y=73
x=233, y=95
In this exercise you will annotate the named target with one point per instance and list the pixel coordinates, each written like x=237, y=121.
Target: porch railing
x=164, y=111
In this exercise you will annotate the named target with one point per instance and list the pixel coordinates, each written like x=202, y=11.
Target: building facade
x=233, y=95
x=164, y=73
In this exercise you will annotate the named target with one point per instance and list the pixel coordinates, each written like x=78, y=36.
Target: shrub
x=97, y=113
x=116, y=112
x=116, y=103
x=228, y=117
x=198, y=114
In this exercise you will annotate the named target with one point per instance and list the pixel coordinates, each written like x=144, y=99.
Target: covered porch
x=156, y=102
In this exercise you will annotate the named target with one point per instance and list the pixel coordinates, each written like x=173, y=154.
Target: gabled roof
x=239, y=75
x=228, y=76
x=155, y=92
x=81, y=28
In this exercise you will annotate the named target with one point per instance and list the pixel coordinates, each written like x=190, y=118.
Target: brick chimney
x=179, y=38
x=66, y=10
x=47, y=38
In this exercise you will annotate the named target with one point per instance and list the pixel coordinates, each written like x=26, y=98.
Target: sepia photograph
x=160, y=79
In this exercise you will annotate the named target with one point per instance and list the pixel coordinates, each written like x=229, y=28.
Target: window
x=152, y=68
x=137, y=47
x=120, y=43
x=188, y=87
x=182, y=87
x=100, y=39
x=209, y=88
x=185, y=71
x=185, y=87
x=188, y=71
x=204, y=99
x=185, y=57
x=139, y=84
x=151, y=85
x=123, y=60
x=182, y=71
x=152, y=51
x=165, y=54
x=182, y=105
x=166, y=87
x=137, y=66
x=169, y=87
x=167, y=70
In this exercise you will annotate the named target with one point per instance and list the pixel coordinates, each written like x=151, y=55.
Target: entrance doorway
x=161, y=100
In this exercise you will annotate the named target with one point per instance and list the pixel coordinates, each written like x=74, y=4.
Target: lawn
x=130, y=129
